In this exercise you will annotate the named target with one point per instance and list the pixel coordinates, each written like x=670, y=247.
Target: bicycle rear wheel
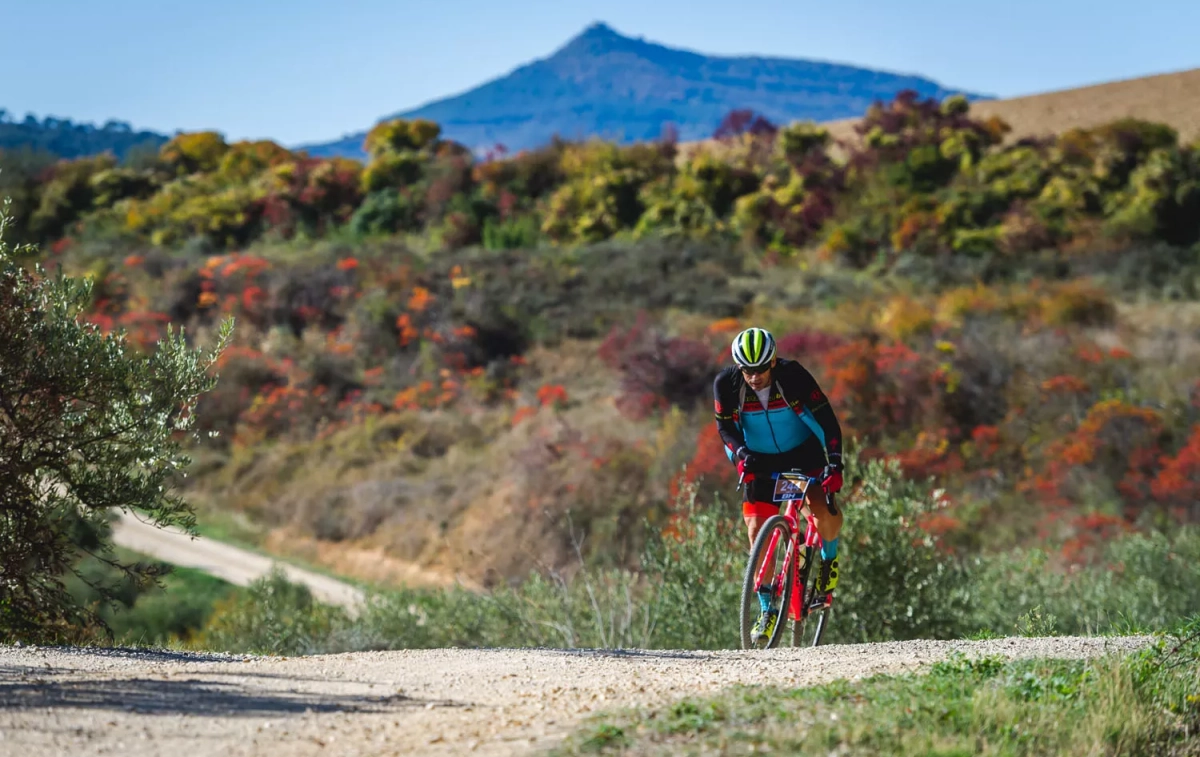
x=809, y=630
x=774, y=551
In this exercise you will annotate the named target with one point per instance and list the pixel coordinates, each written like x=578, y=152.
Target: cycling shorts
x=759, y=485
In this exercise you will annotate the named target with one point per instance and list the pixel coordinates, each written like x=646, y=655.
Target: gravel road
x=436, y=702
x=225, y=561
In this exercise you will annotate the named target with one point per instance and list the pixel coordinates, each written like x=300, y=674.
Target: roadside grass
x=686, y=592
x=230, y=527
x=170, y=615
x=173, y=614
x=1142, y=703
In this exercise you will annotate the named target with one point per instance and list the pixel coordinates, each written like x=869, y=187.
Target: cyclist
x=773, y=417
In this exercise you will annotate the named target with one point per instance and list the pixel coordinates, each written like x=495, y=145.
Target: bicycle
x=796, y=567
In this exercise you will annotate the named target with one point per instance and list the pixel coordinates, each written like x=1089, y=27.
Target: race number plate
x=787, y=489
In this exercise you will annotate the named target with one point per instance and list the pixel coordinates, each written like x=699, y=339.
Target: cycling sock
x=764, y=599
x=829, y=550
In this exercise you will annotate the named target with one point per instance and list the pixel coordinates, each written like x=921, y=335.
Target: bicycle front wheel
x=770, y=549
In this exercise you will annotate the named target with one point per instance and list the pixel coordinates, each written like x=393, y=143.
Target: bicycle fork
x=789, y=563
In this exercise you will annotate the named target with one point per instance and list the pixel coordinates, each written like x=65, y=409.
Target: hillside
x=1172, y=99
x=65, y=139
x=603, y=83
x=500, y=371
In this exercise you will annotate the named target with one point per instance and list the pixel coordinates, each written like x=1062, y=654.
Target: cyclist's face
x=758, y=381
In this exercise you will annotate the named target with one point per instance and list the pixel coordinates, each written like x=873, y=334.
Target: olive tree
x=88, y=427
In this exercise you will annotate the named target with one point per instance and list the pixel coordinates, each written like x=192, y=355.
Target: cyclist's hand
x=745, y=460
x=831, y=478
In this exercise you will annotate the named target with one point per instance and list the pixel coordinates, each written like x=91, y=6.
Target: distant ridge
x=602, y=83
x=64, y=138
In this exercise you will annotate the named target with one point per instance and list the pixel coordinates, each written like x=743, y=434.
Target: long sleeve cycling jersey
x=796, y=410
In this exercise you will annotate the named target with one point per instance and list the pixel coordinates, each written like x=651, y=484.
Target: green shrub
x=513, y=234
x=386, y=211
x=696, y=579
x=896, y=581
x=1142, y=581
x=155, y=615
x=273, y=617
x=89, y=427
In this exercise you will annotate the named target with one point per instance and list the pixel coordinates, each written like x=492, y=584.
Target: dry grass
x=455, y=496
x=371, y=564
x=1173, y=99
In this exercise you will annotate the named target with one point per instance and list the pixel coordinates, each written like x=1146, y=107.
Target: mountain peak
x=604, y=83
x=599, y=38
x=599, y=30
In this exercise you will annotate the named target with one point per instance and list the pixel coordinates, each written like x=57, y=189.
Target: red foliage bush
x=1066, y=384
x=803, y=345
x=709, y=466
x=143, y=328
x=880, y=388
x=244, y=375
x=987, y=441
x=1090, y=532
x=657, y=371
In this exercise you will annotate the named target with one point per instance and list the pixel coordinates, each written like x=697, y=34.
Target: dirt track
x=235, y=565
x=495, y=702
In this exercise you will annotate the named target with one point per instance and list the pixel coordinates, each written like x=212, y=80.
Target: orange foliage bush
x=1178, y=481
x=725, y=326
x=1116, y=442
x=522, y=414
x=420, y=299
x=930, y=455
x=1066, y=384
x=552, y=395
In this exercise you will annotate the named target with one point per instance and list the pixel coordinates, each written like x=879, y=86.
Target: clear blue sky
x=302, y=70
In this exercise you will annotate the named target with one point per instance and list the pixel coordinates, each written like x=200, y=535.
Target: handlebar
x=796, y=472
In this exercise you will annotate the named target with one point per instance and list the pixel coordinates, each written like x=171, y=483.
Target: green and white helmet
x=753, y=348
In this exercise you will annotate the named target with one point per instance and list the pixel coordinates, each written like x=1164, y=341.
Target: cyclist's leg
x=810, y=458
x=757, y=505
x=755, y=514
x=828, y=526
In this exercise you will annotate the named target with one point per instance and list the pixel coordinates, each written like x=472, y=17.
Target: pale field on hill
x=1173, y=99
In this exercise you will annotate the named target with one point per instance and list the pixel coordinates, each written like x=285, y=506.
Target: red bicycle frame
x=790, y=513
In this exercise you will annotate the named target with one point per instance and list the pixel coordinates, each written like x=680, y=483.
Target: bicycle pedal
x=821, y=603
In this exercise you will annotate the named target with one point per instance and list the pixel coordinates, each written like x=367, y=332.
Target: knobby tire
x=750, y=605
